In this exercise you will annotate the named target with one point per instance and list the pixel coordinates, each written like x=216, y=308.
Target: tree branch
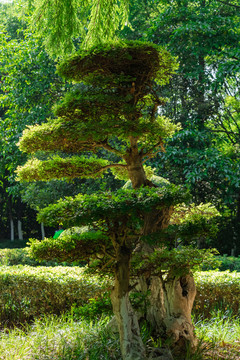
x=150, y=153
x=229, y=4
x=110, y=166
x=108, y=147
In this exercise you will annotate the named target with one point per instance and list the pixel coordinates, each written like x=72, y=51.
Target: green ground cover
x=29, y=292
x=62, y=313
x=64, y=338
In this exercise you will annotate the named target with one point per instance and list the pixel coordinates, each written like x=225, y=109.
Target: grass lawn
x=64, y=338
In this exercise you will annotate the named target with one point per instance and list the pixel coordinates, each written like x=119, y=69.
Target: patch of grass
x=65, y=338
x=220, y=336
x=220, y=328
x=60, y=338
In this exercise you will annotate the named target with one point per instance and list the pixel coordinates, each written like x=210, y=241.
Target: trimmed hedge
x=28, y=292
x=20, y=256
x=12, y=257
x=217, y=290
x=229, y=263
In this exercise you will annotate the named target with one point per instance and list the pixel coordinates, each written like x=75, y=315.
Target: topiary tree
x=115, y=107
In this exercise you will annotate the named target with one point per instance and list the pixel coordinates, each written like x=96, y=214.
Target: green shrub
x=12, y=257
x=28, y=292
x=226, y=263
x=229, y=263
x=16, y=257
x=217, y=291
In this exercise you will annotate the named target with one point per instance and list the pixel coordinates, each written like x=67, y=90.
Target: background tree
x=29, y=86
x=205, y=37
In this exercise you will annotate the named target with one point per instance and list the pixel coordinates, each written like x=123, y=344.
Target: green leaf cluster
x=61, y=168
x=176, y=262
x=60, y=22
x=128, y=204
x=120, y=64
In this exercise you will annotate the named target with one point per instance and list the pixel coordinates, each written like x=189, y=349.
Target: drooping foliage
x=95, y=21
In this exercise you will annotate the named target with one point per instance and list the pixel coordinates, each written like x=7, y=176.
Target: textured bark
x=136, y=172
x=132, y=347
x=169, y=311
x=179, y=295
x=170, y=300
x=135, y=168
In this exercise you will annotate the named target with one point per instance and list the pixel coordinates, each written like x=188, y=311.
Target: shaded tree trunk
x=42, y=230
x=11, y=228
x=171, y=299
x=20, y=232
x=132, y=347
x=19, y=212
x=169, y=313
x=10, y=215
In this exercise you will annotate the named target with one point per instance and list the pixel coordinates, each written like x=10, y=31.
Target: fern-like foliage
x=59, y=22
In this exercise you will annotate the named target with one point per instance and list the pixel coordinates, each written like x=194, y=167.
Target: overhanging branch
x=108, y=147
x=151, y=152
x=229, y=4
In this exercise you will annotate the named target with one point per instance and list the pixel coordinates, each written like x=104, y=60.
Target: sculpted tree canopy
x=116, y=108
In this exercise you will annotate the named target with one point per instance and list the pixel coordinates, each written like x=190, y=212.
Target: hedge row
x=21, y=257
x=28, y=292
x=12, y=257
x=217, y=290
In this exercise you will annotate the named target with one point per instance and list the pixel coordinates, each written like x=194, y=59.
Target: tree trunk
x=135, y=168
x=132, y=347
x=136, y=172
x=12, y=228
x=42, y=230
x=179, y=295
x=169, y=311
x=10, y=215
x=171, y=299
x=20, y=233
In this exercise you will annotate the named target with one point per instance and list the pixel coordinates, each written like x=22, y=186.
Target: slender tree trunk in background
x=10, y=215
x=42, y=231
x=20, y=233
x=12, y=228
x=19, y=212
x=131, y=344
